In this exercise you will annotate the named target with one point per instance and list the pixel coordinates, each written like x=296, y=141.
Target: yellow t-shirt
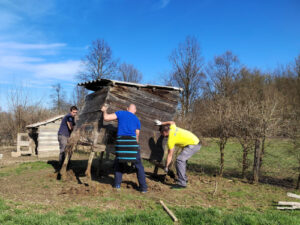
x=181, y=137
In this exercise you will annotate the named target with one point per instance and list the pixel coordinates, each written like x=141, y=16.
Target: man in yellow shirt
x=183, y=139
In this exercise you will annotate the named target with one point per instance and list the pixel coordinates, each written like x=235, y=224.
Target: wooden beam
x=289, y=203
x=289, y=194
x=288, y=208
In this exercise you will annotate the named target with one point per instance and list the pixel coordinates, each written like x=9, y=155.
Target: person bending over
x=183, y=139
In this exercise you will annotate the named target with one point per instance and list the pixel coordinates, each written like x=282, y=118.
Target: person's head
x=73, y=110
x=131, y=108
x=164, y=130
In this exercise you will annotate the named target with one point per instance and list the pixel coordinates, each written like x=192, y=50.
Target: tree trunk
x=298, y=182
x=256, y=162
x=262, y=151
x=222, y=147
x=245, y=156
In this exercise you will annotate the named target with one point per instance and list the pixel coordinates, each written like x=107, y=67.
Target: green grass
x=194, y=215
x=24, y=167
x=278, y=160
x=241, y=203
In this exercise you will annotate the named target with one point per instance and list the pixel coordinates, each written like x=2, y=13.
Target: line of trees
x=222, y=99
x=225, y=99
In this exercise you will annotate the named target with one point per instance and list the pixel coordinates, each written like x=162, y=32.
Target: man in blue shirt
x=127, y=148
x=64, y=132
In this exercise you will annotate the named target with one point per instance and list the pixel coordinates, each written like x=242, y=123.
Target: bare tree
x=22, y=111
x=297, y=66
x=99, y=62
x=187, y=72
x=222, y=73
x=129, y=73
x=58, y=97
x=79, y=94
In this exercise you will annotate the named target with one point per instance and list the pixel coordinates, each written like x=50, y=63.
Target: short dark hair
x=164, y=128
x=73, y=108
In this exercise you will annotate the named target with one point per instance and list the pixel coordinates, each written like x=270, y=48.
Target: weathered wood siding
x=151, y=104
x=89, y=124
x=48, y=145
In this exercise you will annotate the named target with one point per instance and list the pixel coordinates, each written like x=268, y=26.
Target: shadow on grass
x=78, y=167
x=212, y=170
x=106, y=171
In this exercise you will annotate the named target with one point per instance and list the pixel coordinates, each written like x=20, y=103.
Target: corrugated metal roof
x=96, y=84
x=35, y=125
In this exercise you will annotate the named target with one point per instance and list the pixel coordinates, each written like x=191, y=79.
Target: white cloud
x=29, y=8
x=24, y=46
x=65, y=70
x=162, y=4
x=21, y=59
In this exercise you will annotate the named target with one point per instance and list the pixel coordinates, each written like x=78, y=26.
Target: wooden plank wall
x=151, y=104
x=89, y=124
x=48, y=145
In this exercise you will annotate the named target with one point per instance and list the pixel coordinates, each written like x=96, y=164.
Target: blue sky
x=42, y=42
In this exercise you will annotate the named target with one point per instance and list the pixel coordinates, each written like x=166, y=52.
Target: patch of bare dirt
x=90, y=190
x=41, y=187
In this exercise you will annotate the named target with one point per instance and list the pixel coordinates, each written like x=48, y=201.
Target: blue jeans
x=140, y=173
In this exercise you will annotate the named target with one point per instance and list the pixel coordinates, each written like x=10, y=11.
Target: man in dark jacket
x=64, y=132
x=127, y=147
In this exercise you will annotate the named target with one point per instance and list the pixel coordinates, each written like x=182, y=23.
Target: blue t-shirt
x=64, y=129
x=128, y=123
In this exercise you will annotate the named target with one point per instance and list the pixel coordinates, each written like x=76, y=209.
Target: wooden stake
x=168, y=211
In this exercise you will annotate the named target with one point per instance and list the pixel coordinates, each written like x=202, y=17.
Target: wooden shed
x=152, y=101
x=44, y=136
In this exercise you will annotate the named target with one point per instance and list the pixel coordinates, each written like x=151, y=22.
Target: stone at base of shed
x=45, y=154
x=15, y=154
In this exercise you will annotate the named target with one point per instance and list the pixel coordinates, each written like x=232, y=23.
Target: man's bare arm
x=167, y=123
x=169, y=158
x=106, y=116
x=137, y=133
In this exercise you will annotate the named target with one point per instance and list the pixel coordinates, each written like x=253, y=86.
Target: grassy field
x=31, y=194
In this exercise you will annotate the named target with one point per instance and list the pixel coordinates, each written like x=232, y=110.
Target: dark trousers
x=140, y=173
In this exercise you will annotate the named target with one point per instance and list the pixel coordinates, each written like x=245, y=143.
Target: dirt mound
x=68, y=176
x=154, y=186
x=83, y=190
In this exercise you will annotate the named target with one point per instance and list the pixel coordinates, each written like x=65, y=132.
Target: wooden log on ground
x=289, y=203
x=288, y=208
x=293, y=195
x=171, y=214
